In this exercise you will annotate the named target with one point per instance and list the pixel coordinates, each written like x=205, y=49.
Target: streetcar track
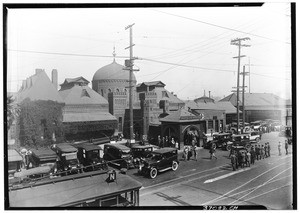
x=227, y=194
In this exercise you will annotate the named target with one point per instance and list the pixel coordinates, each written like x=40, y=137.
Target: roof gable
x=39, y=87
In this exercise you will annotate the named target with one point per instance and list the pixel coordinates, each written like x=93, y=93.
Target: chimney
x=209, y=94
x=38, y=70
x=23, y=84
x=27, y=82
x=54, y=78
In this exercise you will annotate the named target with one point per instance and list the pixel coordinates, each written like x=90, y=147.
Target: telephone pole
x=238, y=42
x=243, y=94
x=129, y=66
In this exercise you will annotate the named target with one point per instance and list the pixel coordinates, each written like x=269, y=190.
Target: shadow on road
x=174, y=199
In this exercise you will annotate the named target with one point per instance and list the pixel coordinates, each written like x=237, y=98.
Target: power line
x=215, y=25
x=66, y=54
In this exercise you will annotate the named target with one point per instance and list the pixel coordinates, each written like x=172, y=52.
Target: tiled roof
x=88, y=116
x=181, y=115
x=82, y=95
x=227, y=106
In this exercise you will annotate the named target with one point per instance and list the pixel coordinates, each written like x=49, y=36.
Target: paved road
x=212, y=182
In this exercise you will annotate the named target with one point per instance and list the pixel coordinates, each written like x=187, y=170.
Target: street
x=213, y=182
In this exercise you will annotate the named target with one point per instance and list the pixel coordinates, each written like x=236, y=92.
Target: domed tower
x=112, y=78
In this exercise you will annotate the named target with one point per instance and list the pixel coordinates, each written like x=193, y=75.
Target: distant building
x=260, y=106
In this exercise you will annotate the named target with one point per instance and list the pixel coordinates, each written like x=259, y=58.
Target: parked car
x=161, y=160
x=68, y=162
x=256, y=125
x=119, y=155
x=89, y=156
x=140, y=153
x=42, y=157
x=241, y=140
x=255, y=136
x=222, y=140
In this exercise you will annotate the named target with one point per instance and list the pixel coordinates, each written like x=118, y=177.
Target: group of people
x=245, y=157
x=167, y=141
x=286, y=146
x=189, y=151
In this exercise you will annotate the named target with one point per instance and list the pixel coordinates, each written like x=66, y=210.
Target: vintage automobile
x=241, y=140
x=89, y=156
x=118, y=155
x=42, y=157
x=161, y=160
x=254, y=136
x=221, y=140
x=140, y=153
x=68, y=162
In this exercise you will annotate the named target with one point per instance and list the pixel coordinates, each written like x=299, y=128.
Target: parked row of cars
x=227, y=140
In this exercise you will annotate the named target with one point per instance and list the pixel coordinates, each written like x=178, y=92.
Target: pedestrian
x=248, y=158
x=252, y=152
x=269, y=149
x=167, y=142
x=262, y=152
x=257, y=151
x=212, y=152
x=159, y=143
x=185, y=153
x=176, y=145
x=193, y=149
x=243, y=159
x=233, y=161
x=189, y=152
x=266, y=150
x=286, y=145
x=163, y=142
x=173, y=142
x=279, y=148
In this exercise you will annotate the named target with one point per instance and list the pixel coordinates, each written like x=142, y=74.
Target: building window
x=109, y=90
x=210, y=124
x=117, y=90
x=102, y=92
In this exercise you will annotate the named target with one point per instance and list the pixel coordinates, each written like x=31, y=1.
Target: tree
x=12, y=111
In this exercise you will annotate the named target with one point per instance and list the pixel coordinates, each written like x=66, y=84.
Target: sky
x=187, y=48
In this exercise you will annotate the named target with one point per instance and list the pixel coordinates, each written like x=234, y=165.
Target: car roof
x=65, y=147
x=87, y=146
x=118, y=146
x=142, y=146
x=13, y=155
x=164, y=150
x=221, y=134
x=43, y=153
x=246, y=134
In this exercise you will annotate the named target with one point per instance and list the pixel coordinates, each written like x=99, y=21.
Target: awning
x=84, y=116
x=13, y=155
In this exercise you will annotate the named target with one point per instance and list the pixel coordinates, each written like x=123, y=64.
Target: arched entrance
x=170, y=132
x=189, y=133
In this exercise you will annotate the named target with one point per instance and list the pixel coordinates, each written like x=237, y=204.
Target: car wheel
x=153, y=173
x=228, y=147
x=257, y=140
x=174, y=166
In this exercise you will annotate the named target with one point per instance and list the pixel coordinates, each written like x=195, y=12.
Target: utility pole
x=243, y=94
x=238, y=43
x=129, y=66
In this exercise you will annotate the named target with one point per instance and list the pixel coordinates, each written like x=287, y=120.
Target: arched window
x=117, y=90
x=109, y=90
x=102, y=92
x=125, y=90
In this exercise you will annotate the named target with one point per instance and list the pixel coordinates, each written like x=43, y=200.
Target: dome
x=113, y=71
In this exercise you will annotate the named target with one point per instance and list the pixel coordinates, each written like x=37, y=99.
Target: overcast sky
x=188, y=49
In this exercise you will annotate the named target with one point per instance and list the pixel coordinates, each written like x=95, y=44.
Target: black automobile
x=241, y=140
x=118, y=155
x=161, y=160
x=89, y=156
x=140, y=153
x=68, y=162
x=222, y=140
x=42, y=157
